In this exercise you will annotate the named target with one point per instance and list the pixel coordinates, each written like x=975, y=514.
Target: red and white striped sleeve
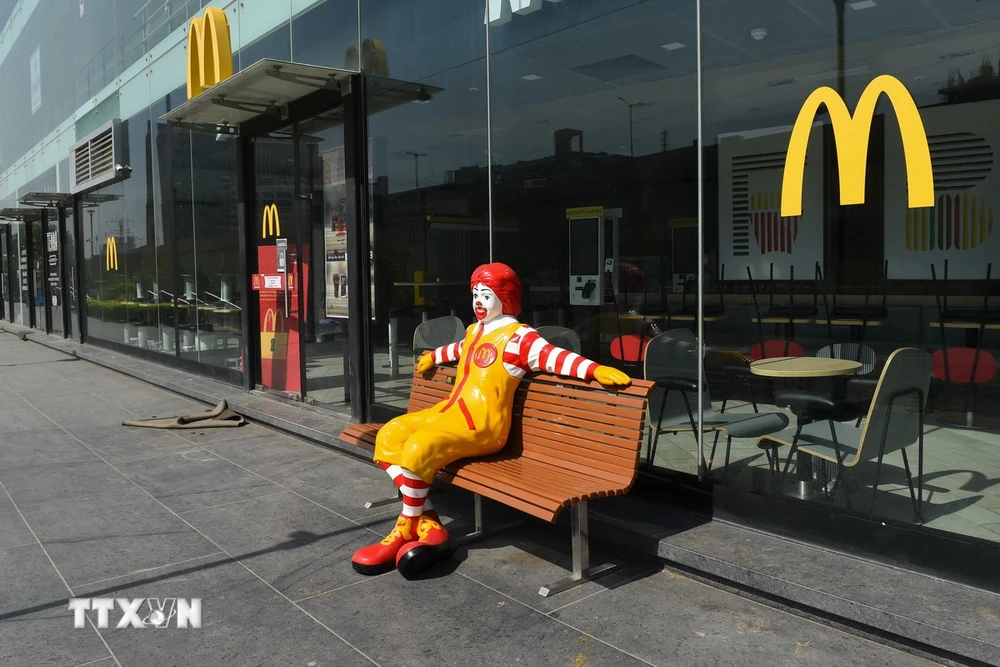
x=528, y=352
x=446, y=354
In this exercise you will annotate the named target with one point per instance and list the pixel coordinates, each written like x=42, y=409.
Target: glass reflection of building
x=574, y=105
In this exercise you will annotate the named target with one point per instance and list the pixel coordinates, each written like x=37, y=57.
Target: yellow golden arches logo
x=373, y=58
x=209, y=53
x=111, y=255
x=270, y=223
x=851, y=135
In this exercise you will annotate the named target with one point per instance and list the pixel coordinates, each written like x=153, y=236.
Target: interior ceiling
x=748, y=83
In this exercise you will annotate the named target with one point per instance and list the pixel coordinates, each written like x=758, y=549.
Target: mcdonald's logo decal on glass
x=209, y=54
x=772, y=231
x=270, y=223
x=111, y=255
x=959, y=221
x=851, y=134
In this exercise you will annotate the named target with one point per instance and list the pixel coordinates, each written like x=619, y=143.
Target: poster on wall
x=335, y=231
x=960, y=226
x=35, y=67
x=752, y=232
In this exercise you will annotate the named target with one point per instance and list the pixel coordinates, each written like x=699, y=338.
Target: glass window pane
x=595, y=183
x=430, y=210
x=869, y=246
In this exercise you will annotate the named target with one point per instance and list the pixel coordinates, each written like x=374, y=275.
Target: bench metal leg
x=582, y=571
x=384, y=501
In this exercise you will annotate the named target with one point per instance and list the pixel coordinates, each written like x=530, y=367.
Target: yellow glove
x=607, y=375
x=425, y=362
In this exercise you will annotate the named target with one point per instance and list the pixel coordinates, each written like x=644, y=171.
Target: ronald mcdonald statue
x=473, y=421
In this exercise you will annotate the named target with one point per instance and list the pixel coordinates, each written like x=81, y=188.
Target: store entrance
x=300, y=280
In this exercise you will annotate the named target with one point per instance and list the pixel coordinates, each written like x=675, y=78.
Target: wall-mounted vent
x=98, y=159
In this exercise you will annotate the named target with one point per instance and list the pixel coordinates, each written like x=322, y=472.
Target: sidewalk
x=261, y=527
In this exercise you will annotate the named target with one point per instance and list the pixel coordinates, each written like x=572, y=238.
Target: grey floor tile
x=49, y=638
x=452, y=620
x=519, y=561
x=29, y=485
x=13, y=531
x=194, y=479
x=41, y=447
x=118, y=538
x=299, y=548
x=340, y=483
x=243, y=622
x=669, y=619
x=270, y=454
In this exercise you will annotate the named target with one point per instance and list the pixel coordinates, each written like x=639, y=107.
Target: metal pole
x=841, y=67
x=701, y=247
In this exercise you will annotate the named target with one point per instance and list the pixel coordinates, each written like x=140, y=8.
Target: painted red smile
x=480, y=312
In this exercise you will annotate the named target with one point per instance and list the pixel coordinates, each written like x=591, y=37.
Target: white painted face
x=485, y=303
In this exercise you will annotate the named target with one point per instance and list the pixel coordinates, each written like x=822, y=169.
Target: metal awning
x=97, y=199
x=267, y=88
x=20, y=214
x=47, y=199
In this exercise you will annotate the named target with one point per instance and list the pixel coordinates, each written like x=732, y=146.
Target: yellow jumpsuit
x=473, y=421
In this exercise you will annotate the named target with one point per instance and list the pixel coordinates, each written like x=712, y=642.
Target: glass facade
x=689, y=190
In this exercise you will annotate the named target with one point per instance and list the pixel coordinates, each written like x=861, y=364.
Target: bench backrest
x=577, y=425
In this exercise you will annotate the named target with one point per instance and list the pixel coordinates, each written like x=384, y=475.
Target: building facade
x=777, y=179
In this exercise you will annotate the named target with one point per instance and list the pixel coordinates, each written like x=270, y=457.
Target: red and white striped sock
x=413, y=488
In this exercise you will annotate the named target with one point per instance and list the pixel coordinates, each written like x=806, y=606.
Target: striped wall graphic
x=772, y=232
x=960, y=221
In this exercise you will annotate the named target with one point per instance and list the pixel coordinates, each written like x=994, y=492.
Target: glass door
x=278, y=252
x=326, y=219
x=300, y=280
x=53, y=279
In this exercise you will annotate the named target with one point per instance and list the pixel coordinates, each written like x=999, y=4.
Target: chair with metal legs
x=895, y=421
x=672, y=363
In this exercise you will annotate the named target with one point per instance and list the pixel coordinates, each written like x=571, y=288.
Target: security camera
x=758, y=33
x=123, y=168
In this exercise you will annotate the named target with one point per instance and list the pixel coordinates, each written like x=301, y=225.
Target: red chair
x=769, y=349
x=968, y=366
x=630, y=348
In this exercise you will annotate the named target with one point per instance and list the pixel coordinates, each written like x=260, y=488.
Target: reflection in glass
x=857, y=276
x=429, y=185
x=595, y=181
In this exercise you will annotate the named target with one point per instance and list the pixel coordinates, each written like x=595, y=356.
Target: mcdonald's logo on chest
x=485, y=355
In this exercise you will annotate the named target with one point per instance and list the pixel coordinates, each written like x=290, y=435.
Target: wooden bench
x=571, y=441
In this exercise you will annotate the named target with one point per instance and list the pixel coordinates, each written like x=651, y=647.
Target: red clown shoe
x=381, y=557
x=432, y=547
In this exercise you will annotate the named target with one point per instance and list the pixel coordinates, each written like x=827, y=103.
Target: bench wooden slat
x=487, y=491
x=580, y=410
x=600, y=461
x=623, y=480
x=541, y=426
x=540, y=478
x=534, y=488
x=584, y=404
x=529, y=414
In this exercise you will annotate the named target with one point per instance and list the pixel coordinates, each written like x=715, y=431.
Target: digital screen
x=583, y=243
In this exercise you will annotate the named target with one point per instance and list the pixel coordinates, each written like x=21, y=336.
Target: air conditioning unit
x=98, y=159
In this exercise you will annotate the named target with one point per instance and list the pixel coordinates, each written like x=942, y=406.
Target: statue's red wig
x=503, y=281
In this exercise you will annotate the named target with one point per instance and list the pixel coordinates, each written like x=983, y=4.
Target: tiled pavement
x=261, y=526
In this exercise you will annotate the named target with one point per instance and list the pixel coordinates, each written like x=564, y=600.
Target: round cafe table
x=807, y=367
x=804, y=367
